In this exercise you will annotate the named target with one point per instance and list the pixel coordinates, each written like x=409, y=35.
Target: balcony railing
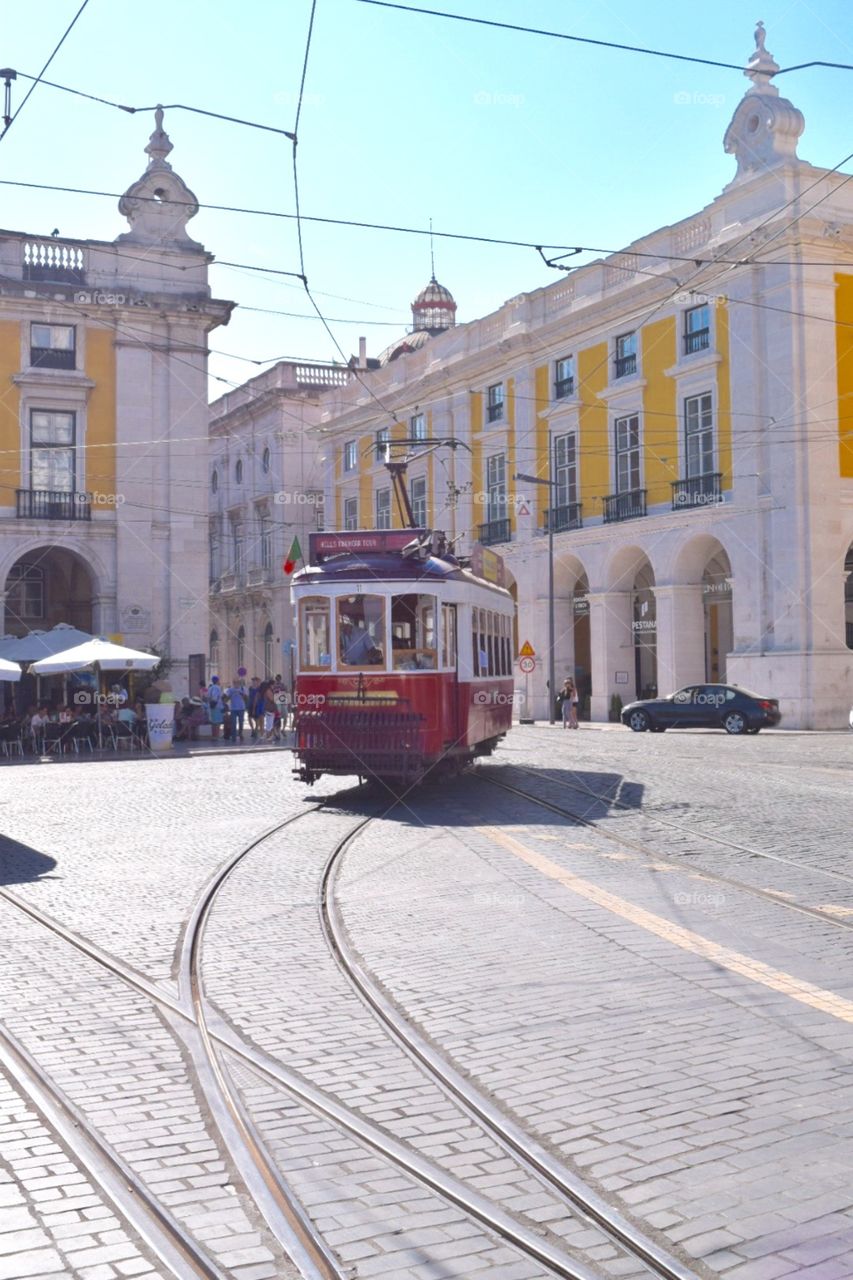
x=625, y=365
x=564, y=387
x=53, y=261
x=624, y=506
x=566, y=517
x=697, y=491
x=494, y=531
x=230, y=581
x=52, y=358
x=258, y=575
x=698, y=340
x=52, y=504
x=495, y=412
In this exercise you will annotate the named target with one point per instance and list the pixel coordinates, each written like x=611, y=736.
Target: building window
x=383, y=508
x=418, y=499
x=25, y=592
x=213, y=543
x=237, y=546
x=268, y=654
x=265, y=461
x=697, y=329
x=626, y=355
x=383, y=435
x=564, y=377
x=238, y=471
x=628, y=454
x=241, y=647
x=699, y=435
x=317, y=500
x=495, y=403
x=266, y=540
x=52, y=451
x=52, y=346
x=566, y=470
x=496, y=487
x=417, y=427
x=350, y=513
x=214, y=653
x=350, y=455
x=214, y=482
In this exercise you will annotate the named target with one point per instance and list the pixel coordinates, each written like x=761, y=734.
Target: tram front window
x=361, y=630
x=315, y=632
x=413, y=638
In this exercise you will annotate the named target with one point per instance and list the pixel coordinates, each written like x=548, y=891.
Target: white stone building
x=103, y=417
x=691, y=402
x=265, y=486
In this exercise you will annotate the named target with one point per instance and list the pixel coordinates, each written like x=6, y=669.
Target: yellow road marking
x=777, y=980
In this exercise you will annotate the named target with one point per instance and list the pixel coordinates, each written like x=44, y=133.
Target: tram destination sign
x=369, y=542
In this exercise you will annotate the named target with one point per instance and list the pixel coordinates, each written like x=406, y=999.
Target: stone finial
x=765, y=127
x=159, y=144
x=159, y=206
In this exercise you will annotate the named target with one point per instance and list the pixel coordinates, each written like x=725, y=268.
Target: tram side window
x=481, y=656
x=448, y=633
x=315, y=633
x=413, y=633
x=491, y=644
x=361, y=630
x=506, y=646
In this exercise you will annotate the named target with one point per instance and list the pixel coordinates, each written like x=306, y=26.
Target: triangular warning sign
x=523, y=509
x=527, y=650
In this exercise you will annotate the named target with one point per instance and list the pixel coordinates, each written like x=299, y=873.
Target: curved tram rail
x=287, y=1218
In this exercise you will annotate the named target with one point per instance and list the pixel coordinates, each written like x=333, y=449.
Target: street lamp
x=551, y=483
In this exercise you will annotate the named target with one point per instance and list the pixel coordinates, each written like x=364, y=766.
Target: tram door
x=450, y=661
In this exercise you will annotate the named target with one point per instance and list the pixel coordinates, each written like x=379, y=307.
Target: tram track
x=644, y=850
x=286, y=1217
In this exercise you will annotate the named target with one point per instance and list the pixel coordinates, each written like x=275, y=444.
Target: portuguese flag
x=294, y=556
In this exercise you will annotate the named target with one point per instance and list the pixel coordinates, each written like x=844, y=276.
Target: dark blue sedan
x=704, y=706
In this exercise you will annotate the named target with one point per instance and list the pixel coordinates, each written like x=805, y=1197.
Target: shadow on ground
x=20, y=864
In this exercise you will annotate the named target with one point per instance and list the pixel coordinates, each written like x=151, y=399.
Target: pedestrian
x=254, y=708
x=237, y=695
x=269, y=705
x=569, y=703
x=215, y=707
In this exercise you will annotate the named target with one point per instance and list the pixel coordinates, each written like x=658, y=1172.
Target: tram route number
x=527, y=664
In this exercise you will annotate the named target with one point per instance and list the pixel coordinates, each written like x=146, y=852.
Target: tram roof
x=386, y=556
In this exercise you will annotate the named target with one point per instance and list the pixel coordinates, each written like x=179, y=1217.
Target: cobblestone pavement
x=684, y=1046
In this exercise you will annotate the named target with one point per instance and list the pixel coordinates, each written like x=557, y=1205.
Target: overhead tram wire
x=37, y=80
x=601, y=44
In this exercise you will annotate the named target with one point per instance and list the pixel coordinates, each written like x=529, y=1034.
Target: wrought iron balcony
x=52, y=504
x=494, y=531
x=698, y=340
x=697, y=491
x=53, y=358
x=495, y=412
x=624, y=506
x=564, y=387
x=231, y=581
x=565, y=517
x=625, y=365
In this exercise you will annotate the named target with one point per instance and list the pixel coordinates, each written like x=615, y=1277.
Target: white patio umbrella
x=96, y=655
x=9, y=670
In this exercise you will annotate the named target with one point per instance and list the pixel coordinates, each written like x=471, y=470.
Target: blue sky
x=406, y=117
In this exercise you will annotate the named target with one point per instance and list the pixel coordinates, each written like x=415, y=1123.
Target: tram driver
x=358, y=648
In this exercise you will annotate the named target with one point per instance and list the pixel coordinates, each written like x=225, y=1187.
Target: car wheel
x=734, y=722
x=639, y=721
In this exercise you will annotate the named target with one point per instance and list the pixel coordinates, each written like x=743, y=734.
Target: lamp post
x=551, y=483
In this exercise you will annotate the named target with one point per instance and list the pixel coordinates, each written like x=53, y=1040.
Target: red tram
x=404, y=656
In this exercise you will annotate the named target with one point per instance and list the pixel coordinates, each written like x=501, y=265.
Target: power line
x=36, y=80
x=601, y=44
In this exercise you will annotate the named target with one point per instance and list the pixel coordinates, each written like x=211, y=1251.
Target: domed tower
x=434, y=309
x=765, y=127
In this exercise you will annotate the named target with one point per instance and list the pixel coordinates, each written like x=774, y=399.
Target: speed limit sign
x=527, y=665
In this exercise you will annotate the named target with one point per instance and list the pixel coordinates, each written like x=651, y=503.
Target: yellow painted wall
x=844, y=355
x=594, y=444
x=366, y=504
x=724, y=396
x=432, y=515
x=660, y=415
x=100, y=462
x=10, y=412
x=539, y=467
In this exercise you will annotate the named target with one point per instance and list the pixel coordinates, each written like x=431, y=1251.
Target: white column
x=612, y=647
x=680, y=636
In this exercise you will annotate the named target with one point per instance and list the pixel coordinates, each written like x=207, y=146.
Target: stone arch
x=703, y=564
x=621, y=568
x=47, y=584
